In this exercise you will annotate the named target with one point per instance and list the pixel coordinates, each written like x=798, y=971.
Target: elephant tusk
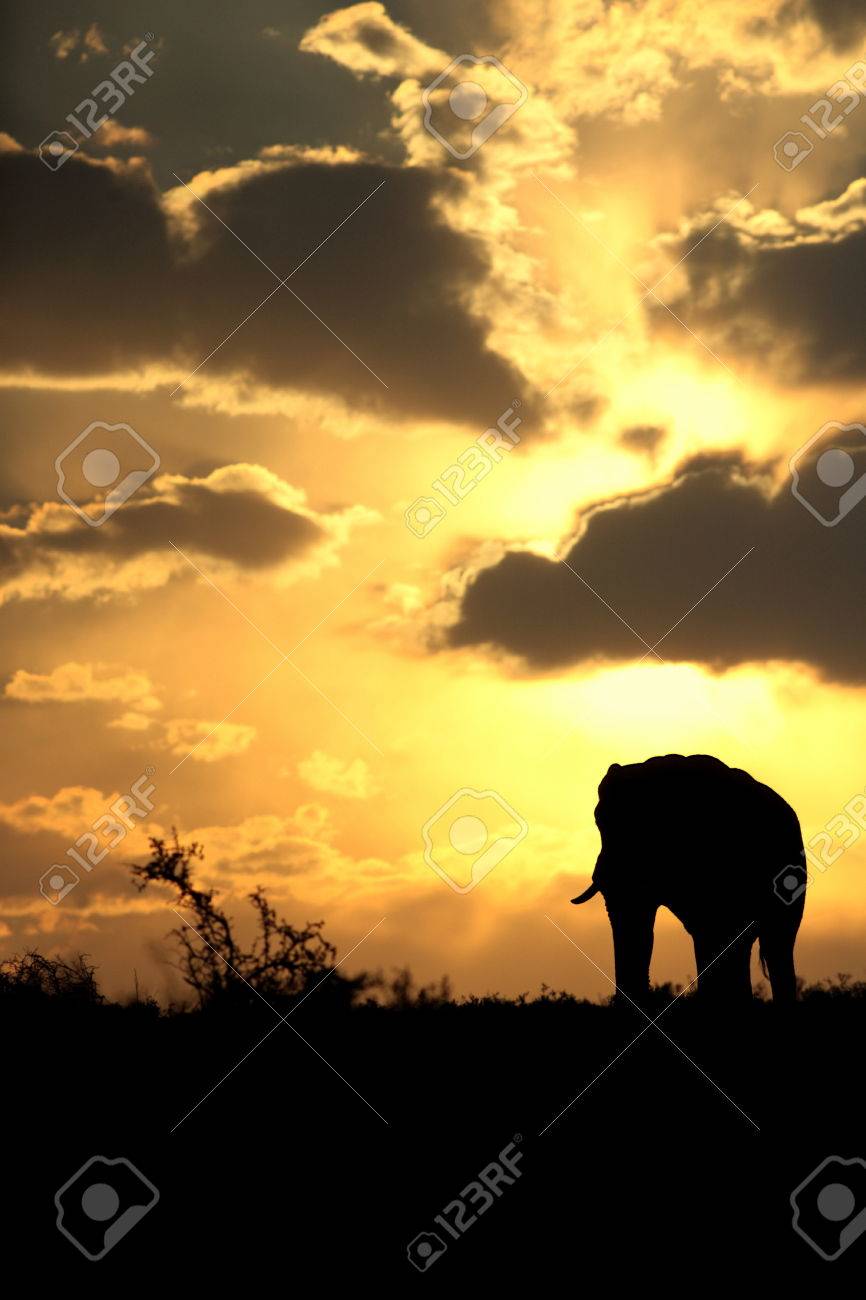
x=586, y=895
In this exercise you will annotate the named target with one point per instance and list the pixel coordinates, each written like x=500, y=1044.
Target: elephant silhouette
x=721, y=851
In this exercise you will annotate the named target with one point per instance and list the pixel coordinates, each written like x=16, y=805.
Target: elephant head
x=711, y=844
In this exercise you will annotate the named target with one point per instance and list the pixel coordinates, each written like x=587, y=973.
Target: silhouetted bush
x=282, y=963
x=34, y=975
x=401, y=992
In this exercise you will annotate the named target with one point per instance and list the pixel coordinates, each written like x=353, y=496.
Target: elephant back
x=674, y=817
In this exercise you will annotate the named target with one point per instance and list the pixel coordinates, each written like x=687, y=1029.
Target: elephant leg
x=723, y=967
x=632, y=928
x=779, y=957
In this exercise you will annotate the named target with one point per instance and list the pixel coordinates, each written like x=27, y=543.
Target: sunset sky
x=631, y=274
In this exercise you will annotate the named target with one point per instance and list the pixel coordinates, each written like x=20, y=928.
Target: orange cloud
x=208, y=742
x=336, y=776
x=73, y=682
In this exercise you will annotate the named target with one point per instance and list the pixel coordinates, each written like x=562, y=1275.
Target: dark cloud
x=378, y=39
x=730, y=459
x=243, y=527
x=393, y=284
x=793, y=302
x=92, y=282
x=230, y=106
x=85, y=268
x=842, y=21
x=241, y=514
x=453, y=25
x=645, y=438
x=653, y=556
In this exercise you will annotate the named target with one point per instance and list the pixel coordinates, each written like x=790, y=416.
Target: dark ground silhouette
x=612, y=1145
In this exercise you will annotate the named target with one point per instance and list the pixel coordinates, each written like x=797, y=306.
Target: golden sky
x=301, y=275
